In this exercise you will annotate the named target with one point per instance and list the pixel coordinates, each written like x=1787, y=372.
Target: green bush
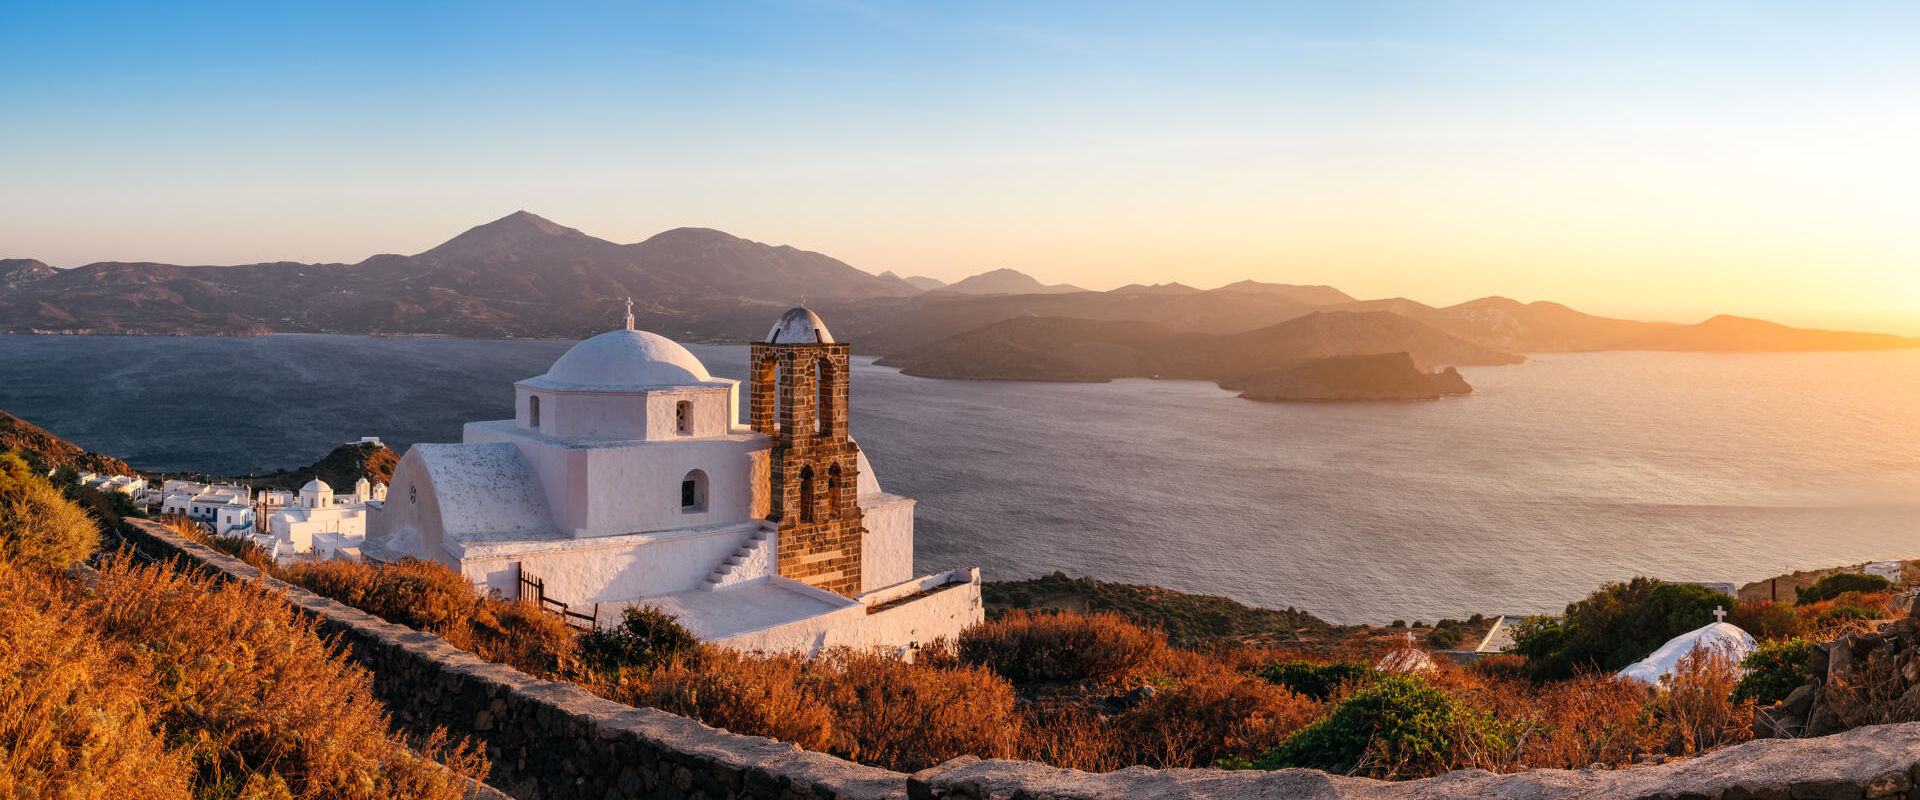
x=39, y=526
x=1399, y=726
x=1317, y=681
x=1773, y=671
x=1833, y=586
x=1615, y=626
x=645, y=639
x=1448, y=634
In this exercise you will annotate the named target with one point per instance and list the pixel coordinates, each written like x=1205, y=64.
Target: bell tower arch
x=798, y=398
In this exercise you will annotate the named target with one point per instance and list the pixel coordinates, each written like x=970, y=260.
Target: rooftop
x=624, y=360
x=799, y=326
x=745, y=608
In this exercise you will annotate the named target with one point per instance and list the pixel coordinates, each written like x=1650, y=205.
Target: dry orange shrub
x=861, y=705
x=430, y=597
x=1694, y=713
x=71, y=715
x=750, y=693
x=1046, y=648
x=909, y=716
x=251, y=701
x=1206, y=712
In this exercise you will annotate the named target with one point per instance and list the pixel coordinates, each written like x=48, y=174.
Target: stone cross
x=629, y=313
x=1719, y=613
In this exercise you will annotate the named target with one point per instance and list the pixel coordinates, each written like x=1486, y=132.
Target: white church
x=319, y=524
x=625, y=477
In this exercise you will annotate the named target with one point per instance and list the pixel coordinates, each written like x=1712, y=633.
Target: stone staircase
x=748, y=562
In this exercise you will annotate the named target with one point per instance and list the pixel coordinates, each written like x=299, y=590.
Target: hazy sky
x=1652, y=159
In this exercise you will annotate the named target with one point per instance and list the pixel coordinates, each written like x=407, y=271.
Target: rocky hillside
x=1187, y=619
x=45, y=451
x=1861, y=679
x=339, y=469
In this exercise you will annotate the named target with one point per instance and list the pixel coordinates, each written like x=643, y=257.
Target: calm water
x=1558, y=475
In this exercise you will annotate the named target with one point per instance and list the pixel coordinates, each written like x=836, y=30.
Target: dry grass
x=861, y=705
x=153, y=683
x=1694, y=713
x=877, y=709
x=1048, y=648
x=39, y=527
x=888, y=711
x=428, y=596
x=73, y=720
x=1203, y=711
x=754, y=694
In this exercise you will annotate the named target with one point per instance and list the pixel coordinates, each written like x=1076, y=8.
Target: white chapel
x=625, y=477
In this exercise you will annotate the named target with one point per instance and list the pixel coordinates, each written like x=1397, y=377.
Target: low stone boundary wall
x=554, y=741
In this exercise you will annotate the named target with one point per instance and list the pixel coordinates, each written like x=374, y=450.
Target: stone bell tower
x=799, y=398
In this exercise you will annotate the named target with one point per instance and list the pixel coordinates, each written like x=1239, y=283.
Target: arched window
x=806, y=494
x=683, y=417
x=833, y=491
x=533, y=411
x=693, y=492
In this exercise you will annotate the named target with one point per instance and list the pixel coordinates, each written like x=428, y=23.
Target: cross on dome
x=1719, y=613
x=629, y=313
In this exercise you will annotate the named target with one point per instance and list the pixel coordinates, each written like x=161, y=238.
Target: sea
x=1554, y=477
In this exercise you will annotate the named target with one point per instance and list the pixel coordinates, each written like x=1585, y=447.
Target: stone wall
x=550, y=741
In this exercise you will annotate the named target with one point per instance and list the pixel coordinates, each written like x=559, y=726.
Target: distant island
x=526, y=276
x=1382, y=376
x=1308, y=358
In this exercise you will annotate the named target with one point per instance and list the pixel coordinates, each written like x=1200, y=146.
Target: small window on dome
x=683, y=417
x=533, y=411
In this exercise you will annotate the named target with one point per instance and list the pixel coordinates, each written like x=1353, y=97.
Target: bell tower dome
x=799, y=399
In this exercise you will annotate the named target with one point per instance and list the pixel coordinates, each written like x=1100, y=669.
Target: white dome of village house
x=624, y=360
x=799, y=326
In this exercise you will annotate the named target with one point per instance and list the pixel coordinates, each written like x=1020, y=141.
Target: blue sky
x=1656, y=159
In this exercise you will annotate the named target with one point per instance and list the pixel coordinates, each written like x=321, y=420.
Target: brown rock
x=1840, y=662
x=1800, y=701
x=1817, y=658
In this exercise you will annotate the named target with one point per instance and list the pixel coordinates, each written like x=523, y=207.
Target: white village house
x=625, y=477
x=225, y=508
x=319, y=524
x=129, y=485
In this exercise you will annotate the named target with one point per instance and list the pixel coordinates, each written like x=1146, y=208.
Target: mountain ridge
x=1006, y=281
x=524, y=275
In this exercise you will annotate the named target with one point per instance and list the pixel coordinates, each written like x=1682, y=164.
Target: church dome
x=799, y=326
x=316, y=485
x=625, y=359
